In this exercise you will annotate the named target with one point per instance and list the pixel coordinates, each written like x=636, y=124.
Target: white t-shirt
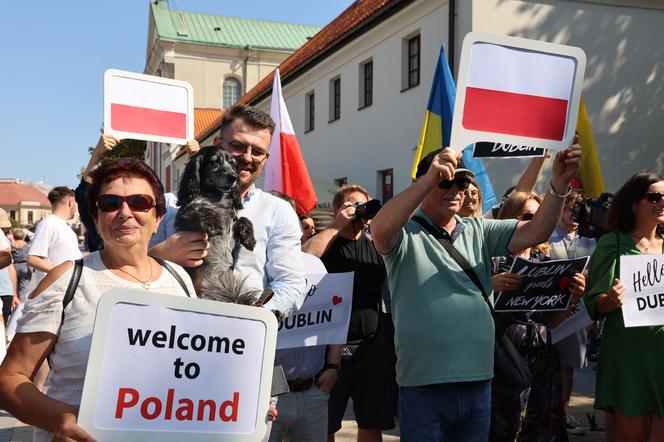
x=4, y=242
x=55, y=241
x=69, y=357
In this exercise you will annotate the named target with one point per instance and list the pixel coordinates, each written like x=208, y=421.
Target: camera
x=591, y=214
x=367, y=210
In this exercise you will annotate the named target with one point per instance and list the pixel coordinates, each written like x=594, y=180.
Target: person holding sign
x=444, y=331
x=126, y=202
x=630, y=370
x=543, y=416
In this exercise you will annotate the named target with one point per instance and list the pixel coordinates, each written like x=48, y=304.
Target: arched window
x=231, y=91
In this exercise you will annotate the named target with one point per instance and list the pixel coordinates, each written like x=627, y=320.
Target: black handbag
x=509, y=366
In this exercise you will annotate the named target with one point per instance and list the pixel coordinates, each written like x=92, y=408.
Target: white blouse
x=69, y=357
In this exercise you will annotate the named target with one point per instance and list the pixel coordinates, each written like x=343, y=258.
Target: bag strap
x=71, y=287
x=175, y=274
x=444, y=239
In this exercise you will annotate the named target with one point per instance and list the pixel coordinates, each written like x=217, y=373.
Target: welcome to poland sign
x=169, y=368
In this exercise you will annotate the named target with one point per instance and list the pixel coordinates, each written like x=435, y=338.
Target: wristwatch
x=332, y=366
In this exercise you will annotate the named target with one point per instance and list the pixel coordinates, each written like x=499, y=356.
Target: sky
x=54, y=54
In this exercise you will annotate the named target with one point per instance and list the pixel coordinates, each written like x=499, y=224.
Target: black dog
x=209, y=199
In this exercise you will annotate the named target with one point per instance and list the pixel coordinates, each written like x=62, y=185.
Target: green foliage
x=125, y=149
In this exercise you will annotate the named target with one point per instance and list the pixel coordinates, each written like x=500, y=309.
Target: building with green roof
x=222, y=57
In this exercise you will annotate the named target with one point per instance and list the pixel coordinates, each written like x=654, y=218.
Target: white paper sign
x=643, y=278
x=576, y=320
x=324, y=316
x=168, y=368
x=145, y=107
x=516, y=91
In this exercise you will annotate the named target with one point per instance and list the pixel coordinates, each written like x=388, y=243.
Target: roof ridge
x=245, y=18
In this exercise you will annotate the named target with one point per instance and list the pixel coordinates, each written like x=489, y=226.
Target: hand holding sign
x=565, y=166
x=616, y=294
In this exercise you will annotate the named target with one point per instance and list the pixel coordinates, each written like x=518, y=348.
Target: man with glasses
x=275, y=262
x=444, y=332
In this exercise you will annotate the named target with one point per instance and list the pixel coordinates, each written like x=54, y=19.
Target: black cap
x=425, y=163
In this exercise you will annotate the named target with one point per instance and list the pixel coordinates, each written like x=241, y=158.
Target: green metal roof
x=188, y=27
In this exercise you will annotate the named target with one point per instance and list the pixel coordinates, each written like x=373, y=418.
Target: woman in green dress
x=630, y=371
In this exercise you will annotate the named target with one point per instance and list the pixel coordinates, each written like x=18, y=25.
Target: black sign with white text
x=502, y=150
x=544, y=285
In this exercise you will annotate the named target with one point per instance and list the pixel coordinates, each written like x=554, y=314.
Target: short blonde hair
x=344, y=190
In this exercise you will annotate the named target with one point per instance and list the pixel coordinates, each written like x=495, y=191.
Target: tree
x=124, y=149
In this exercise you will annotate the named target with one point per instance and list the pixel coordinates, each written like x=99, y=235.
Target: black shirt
x=361, y=257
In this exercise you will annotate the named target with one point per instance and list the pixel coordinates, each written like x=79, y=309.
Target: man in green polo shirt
x=444, y=331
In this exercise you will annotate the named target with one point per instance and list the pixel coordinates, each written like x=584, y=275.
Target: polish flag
x=147, y=109
x=518, y=92
x=286, y=171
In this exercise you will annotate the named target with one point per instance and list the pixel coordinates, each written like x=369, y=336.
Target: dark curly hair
x=123, y=168
x=253, y=117
x=620, y=217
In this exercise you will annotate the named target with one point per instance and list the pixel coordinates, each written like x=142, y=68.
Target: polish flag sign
x=145, y=107
x=286, y=171
x=517, y=91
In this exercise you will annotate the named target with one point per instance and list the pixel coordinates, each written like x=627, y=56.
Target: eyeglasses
x=239, y=148
x=653, y=197
x=137, y=203
x=462, y=183
x=527, y=216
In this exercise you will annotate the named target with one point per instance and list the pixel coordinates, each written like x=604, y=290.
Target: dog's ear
x=190, y=182
x=237, y=198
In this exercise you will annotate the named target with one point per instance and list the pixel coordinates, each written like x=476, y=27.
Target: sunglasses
x=527, y=216
x=461, y=183
x=137, y=203
x=653, y=197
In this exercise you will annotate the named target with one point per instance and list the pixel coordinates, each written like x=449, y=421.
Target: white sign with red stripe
x=517, y=91
x=145, y=107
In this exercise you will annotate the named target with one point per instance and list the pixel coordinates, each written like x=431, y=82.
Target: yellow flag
x=590, y=170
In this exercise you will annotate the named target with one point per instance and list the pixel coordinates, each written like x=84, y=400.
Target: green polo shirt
x=444, y=330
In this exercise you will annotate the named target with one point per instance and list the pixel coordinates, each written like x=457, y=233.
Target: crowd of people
x=422, y=331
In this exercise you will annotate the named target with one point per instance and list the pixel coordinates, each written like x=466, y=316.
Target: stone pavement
x=582, y=403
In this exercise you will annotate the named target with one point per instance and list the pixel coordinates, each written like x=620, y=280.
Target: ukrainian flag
x=590, y=170
x=438, y=126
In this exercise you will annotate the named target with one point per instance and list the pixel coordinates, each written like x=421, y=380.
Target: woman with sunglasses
x=543, y=415
x=126, y=202
x=630, y=370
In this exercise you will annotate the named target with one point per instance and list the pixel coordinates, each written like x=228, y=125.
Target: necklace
x=145, y=284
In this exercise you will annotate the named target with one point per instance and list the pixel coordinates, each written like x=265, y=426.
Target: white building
x=358, y=90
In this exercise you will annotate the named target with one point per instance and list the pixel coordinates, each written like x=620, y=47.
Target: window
x=341, y=181
x=167, y=181
x=309, y=112
x=30, y=217
x=231, y=91
x=12, y=214
x=335, y=99
x=366, y=84
x=387, y=190
x=410, y=62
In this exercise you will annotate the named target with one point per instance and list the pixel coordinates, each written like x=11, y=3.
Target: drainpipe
x=247, y=51
x=450, y=36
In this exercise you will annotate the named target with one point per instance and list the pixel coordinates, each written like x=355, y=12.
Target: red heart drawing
x=565, y=282
x=337, y=299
